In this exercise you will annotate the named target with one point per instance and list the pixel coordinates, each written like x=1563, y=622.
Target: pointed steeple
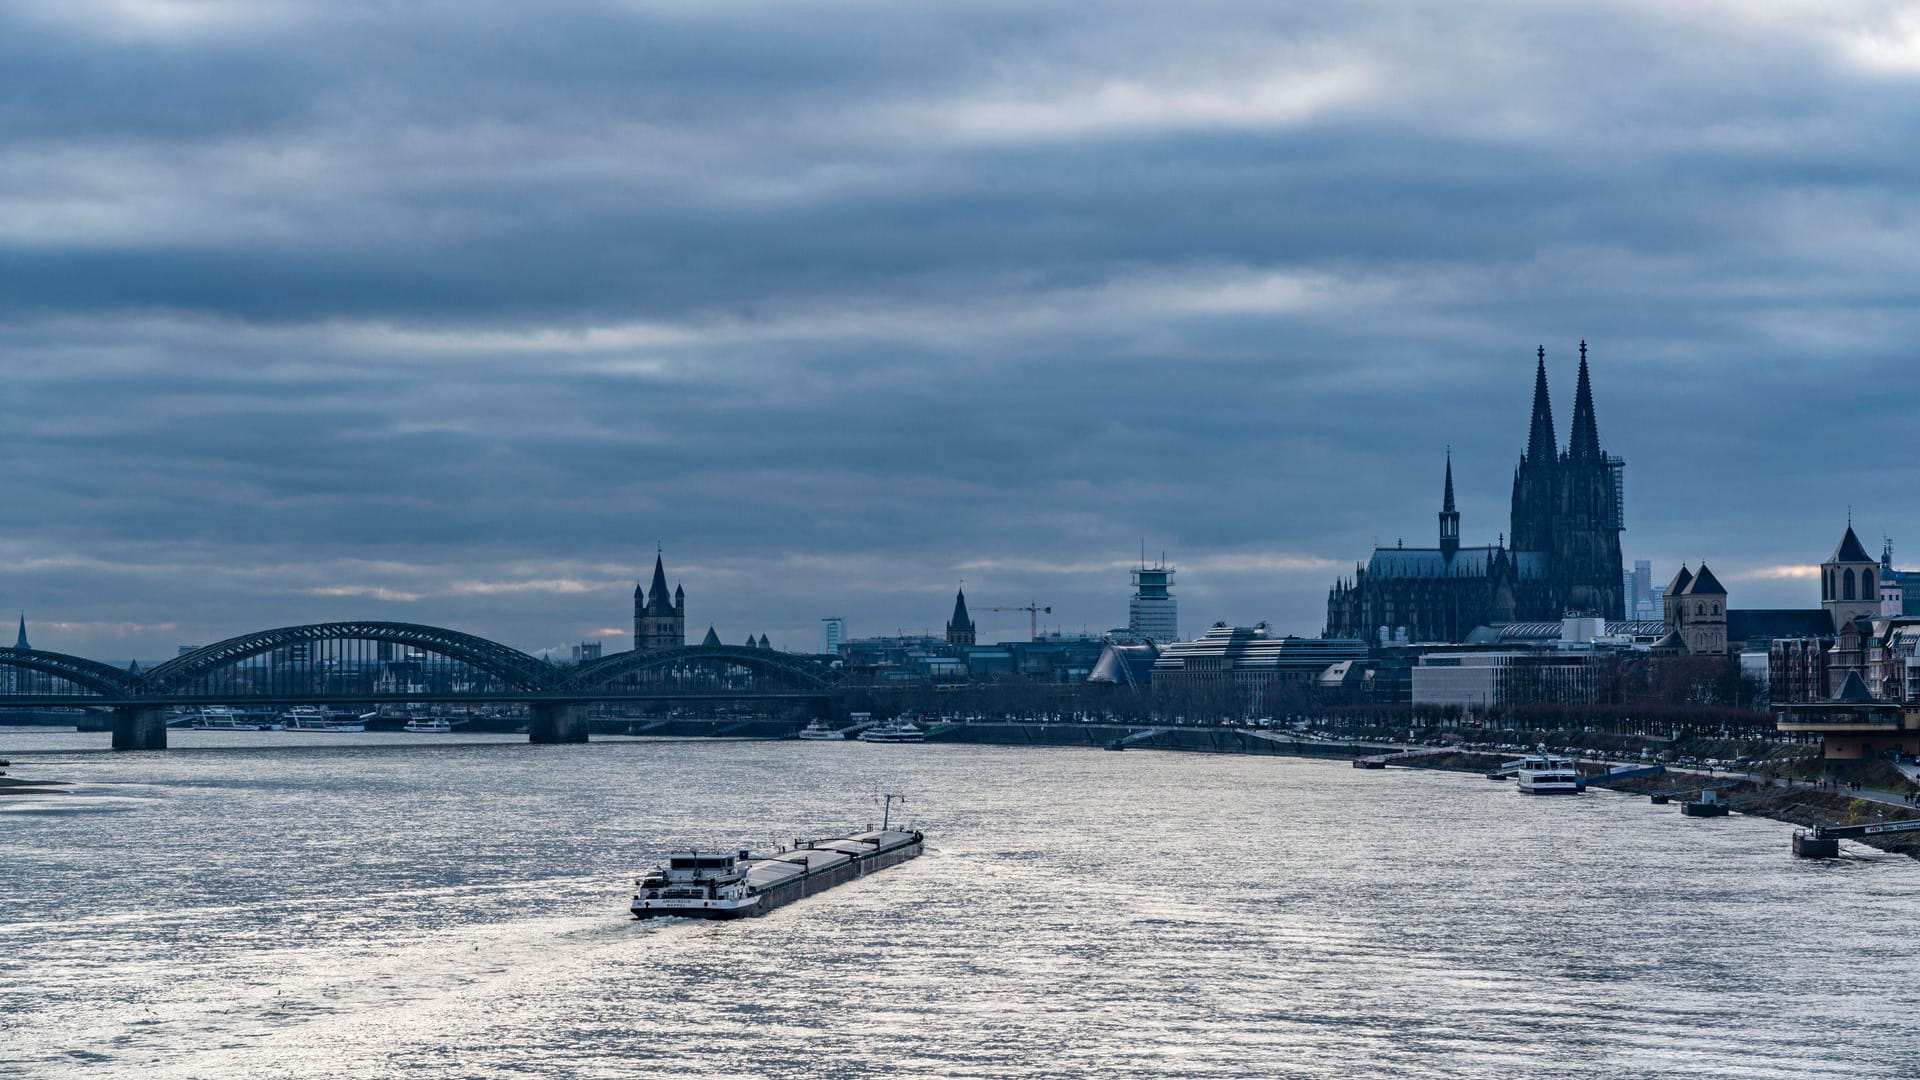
x=1850, y=550
x=1449, y=516
x=1585, y=441
x=711, y=638
x=657, y=592
x=1542, y=444
x=21, y=642
x=960, y=627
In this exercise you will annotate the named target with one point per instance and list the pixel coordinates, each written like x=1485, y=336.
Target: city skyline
x=990, y=297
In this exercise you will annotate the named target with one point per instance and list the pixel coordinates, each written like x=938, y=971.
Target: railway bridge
x=392, y=662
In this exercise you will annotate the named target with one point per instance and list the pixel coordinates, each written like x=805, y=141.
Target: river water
x=300, y=905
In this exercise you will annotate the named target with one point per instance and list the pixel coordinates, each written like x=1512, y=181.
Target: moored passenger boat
x=894, y=731
x=1549, y=775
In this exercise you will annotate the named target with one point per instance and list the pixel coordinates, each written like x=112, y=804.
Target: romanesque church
x=1562, y=556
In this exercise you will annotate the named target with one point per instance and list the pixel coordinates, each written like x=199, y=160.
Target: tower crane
x=1034, y=611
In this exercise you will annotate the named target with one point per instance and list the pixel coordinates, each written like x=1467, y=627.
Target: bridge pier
x=137, y=728
x=558, y=724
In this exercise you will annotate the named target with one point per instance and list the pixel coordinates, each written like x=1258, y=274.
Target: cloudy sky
x=450, y=311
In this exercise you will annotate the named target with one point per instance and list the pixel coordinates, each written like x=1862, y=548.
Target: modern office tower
x=833, y=634
x=1152, y=612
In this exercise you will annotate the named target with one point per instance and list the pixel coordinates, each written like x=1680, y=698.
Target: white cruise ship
x=894, y=731
x=1546, y=774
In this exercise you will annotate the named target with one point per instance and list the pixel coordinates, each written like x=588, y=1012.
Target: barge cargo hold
x=706, y=886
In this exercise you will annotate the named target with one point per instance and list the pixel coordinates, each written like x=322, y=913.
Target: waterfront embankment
x=1795, y=802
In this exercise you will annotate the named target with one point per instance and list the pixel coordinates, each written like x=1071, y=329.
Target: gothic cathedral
x=1564, y=557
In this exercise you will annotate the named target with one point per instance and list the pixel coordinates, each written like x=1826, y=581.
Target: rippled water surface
x=295, y=905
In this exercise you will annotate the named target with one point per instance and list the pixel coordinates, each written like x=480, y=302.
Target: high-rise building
x=1639, y=591
x=833, y=634
x=586, y=652
x=1152, y=613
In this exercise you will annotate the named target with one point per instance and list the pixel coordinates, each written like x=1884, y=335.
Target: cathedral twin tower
x=1563, y=559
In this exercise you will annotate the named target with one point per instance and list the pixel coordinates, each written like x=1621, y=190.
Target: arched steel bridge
x=393, y=661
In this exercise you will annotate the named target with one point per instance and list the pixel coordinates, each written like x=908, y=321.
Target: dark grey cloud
x=451, y=312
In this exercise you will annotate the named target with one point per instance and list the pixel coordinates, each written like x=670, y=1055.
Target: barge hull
x=799, y=887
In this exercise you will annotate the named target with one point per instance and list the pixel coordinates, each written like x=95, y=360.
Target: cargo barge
x=703, y=886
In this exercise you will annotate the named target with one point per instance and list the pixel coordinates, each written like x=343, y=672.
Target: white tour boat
x=428, y=723
x=1546, y=774
x=894, y=731
x=819, y=731
x=314, y=718
x=226, y=718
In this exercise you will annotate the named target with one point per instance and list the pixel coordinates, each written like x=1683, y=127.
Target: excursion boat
x=697, y=885
x=1546, y=774
x=818, y=731
x=894, y=731
x=226, y=718
x=428, y=723
x=314, y=718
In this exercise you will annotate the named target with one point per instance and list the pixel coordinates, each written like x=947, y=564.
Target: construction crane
x=1034, y=611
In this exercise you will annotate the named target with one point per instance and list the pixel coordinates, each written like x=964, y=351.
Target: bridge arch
x=88, y=675
x=610, y=672
x=517, y=670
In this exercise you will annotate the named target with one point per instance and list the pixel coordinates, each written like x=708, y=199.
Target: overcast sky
x=449, y=312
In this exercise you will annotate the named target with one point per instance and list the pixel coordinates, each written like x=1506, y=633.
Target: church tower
x=1585, y=541
x=1850, y=581
x=1449, y=517
x=659, y=619
x=1536, y=482
x=960, y=627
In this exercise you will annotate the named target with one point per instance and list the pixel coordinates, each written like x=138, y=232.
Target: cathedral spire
x=1542, y=445
x=1447, y=504
x=1449, y=517
x=21, y=642
x=1585, y=441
